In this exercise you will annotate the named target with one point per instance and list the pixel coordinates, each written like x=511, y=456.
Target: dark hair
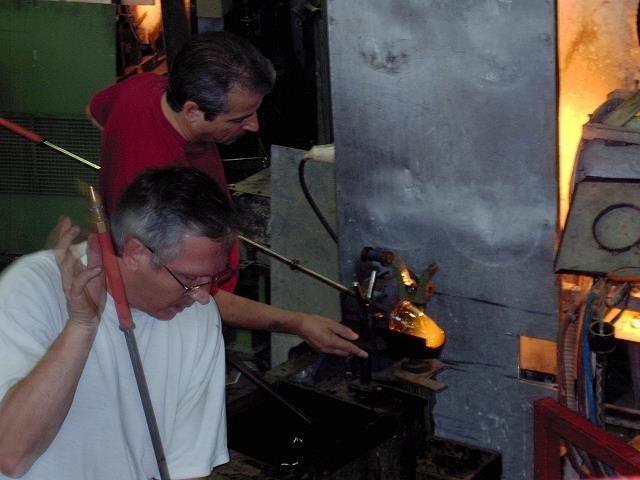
x=209, y=65
x=163, y=204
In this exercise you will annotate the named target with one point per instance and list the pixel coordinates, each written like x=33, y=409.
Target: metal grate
x=28, y=168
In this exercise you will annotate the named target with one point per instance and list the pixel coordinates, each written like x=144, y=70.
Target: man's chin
x=232, y=140
x=167, y=313
x=222, y=141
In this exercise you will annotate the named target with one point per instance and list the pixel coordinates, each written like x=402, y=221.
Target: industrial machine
x=325, y=417
x=598, y=262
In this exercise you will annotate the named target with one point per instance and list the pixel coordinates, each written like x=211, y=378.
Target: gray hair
x=162, y=205
x=209, y=65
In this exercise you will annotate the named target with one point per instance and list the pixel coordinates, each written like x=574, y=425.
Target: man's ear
x=134, y=254
x=191, y=111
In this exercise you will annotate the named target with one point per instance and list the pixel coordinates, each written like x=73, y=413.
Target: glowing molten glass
x=409, y=319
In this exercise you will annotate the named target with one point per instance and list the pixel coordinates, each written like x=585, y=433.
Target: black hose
x=312, y=202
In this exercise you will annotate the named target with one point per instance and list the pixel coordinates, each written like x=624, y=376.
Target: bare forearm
x=320, y=332
x=240, y=312
x=33, y=410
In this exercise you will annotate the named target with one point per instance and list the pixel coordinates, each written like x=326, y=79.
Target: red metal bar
x=23, y=132
x=116, y=288
x=553, y=423
x=34, y=137
x=110, y=264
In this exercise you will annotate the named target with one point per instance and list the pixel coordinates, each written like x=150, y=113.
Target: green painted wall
x=53, y=57
x=32, y=219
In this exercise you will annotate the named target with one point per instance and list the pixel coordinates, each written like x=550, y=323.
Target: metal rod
x=109, y=260
x=116, y=289
x=267, y=388
x=240, y=159
x=35, y=138
x=70, y=154
x=295, y=265
x=147, y=406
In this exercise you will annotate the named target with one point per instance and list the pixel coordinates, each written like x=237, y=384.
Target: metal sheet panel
x=297, y=233
x=445, y=136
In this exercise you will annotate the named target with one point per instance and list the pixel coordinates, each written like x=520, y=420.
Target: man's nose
x=252, y=124
x=201, y=295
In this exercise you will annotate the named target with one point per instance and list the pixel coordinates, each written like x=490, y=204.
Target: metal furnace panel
x=603, y=228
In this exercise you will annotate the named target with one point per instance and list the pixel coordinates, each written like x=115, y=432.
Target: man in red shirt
x=215, y=87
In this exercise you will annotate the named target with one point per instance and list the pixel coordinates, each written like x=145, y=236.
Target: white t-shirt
x=105, y=435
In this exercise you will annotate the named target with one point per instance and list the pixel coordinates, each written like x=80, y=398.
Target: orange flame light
x=407, y=318
x=598, y=53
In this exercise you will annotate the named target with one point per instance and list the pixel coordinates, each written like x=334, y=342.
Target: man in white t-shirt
x=69, y=403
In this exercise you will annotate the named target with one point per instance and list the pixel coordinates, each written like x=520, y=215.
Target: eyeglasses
x=217, y=280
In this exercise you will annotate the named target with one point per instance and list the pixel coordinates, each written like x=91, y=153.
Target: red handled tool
x=112, y=270
x=116, y=288
x=35, y=138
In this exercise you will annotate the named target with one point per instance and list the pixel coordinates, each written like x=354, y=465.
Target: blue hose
x=586, y=360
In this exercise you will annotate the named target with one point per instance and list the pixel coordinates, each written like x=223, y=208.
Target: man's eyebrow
x=240, y=118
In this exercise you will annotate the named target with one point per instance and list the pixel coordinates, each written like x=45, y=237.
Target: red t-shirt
x=136, y=135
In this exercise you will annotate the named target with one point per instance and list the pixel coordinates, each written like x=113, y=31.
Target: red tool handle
x=109, y=261
x=28, y=134
x=114, y=281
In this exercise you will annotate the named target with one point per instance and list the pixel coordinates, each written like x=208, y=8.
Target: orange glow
x=148, y=20
x=597, y=53
x=409, y=319
x=627, y=325
x=405, y=274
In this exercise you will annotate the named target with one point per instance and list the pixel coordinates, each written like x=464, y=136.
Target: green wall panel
x=32, y=218
x=54, y=55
